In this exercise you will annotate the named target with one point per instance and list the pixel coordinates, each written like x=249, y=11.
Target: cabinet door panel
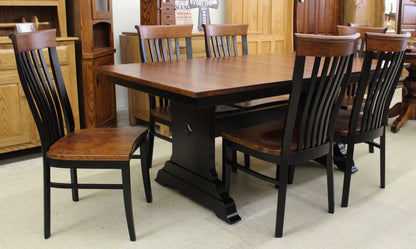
x=15, y=118
x=318, y=16
x=105, y=96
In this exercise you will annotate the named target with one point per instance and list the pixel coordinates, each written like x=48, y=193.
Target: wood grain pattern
x=270, y=23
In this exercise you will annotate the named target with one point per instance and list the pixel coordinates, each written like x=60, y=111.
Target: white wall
x=126, y=14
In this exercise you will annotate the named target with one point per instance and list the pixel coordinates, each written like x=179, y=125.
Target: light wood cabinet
x=17, y=127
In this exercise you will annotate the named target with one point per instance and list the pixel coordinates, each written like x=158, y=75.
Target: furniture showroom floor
x=375, y=218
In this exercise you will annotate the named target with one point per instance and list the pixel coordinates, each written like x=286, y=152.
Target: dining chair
x=368, y=118
x=349, y=97
x=62, y=145
x=307, y=131
x=162, y=43
x=221, y=41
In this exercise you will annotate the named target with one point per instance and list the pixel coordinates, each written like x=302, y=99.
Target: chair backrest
x=366, y=24
x=378, y=87
x=221, y=39
x=313, y=105
x=162, y=42
x=349, y=30
x=43, y=84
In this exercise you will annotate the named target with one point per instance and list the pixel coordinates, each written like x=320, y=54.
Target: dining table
x=196, y=88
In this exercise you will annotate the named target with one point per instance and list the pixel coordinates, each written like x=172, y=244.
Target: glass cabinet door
x=101, y=9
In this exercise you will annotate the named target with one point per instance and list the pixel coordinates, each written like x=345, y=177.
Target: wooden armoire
x=92, y=22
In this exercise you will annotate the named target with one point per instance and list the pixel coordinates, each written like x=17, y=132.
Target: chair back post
x=44, y=89
x=221, y=39
x=313, y=106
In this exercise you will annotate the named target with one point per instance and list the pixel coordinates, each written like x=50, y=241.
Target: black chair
x=307, y=131
x=62, y=145
x=368, y=118
x=349, y=98
x=162, y=43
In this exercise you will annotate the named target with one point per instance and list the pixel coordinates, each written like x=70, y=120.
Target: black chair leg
x=330, y=183
x=347, y=176
x=383, y=160
x=125, y=171
x=46, y=199
x=145, y=164
x=247, y=161
x=74, y=180
x=281, y=199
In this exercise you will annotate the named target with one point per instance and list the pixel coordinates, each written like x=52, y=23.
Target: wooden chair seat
x=266, y=138
x=97, y=144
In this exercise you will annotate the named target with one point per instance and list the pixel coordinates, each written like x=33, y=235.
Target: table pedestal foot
x=200, y=190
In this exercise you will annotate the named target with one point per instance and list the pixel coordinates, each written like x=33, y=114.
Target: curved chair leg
x=125, y=172
x=383, y=160
x=74, y=180
x=347, y=175
x=46, y=199
x=281, y=199
x=330, y=182
x=145, y=164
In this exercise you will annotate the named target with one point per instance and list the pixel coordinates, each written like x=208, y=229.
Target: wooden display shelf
x=49, y=12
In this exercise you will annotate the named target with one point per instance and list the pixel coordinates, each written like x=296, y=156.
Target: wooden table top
x=204, y=78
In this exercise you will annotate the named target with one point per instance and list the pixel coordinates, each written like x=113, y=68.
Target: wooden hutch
x=92, y=22
x=17, y=127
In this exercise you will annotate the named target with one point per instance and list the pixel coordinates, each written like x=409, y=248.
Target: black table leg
x=191, y=169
